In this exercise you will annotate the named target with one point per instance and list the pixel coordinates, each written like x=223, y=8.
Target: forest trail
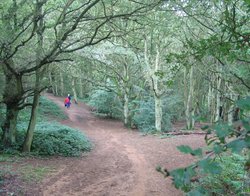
x=122, y=162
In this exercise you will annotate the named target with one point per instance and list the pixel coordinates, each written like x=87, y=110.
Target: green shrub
x=144, y=113
x=232, y=180
x=46, y=109
x=49, y=108
x=106, y=103
x=54, y=139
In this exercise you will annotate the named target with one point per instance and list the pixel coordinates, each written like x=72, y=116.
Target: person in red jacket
x=67, y=102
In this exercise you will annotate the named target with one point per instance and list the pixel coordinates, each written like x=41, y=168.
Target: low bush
x=106, y=103
x=144, y=113
x=49, y=108
x=54, y=139
x=232, y=180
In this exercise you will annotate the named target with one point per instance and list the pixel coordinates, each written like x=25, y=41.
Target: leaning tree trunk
x=39, y=74
x=32, y=123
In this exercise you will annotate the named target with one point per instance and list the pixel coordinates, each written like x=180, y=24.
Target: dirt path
x=122, y=162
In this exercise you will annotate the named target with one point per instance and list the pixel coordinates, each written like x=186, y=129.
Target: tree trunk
x=51, y=82
x=126, y=110
x=218, y=100
x=12, y=96
x=74, y=89
x=81, y=88
x=39, y=74
x=213, y=101
x=189, y=108
x=158, y=113
x=32, y=122
x=9, y=125
x=56, y=88
x=157, y=94
x=233, y=113
x=61, y=84
x=209, y=98
x=185, y=87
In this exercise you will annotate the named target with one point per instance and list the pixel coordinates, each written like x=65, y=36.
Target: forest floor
x=122, y=163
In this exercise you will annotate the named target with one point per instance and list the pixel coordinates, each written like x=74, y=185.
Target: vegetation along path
x=122, y=161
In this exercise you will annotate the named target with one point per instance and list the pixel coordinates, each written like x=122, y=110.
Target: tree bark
x=74, y=89
x=126, y=109
x=9, y=125
x=51, y=82
x=189, y=108
x=157, y=96
x=158, y=113
x=32, y=122
x=218, y=99
x=61, y=84
x=12, y=96
x=81, y=87
x=39, y=74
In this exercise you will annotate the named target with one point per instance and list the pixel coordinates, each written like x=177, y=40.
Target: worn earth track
x=122, y=162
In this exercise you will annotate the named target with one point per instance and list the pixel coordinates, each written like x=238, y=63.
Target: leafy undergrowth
x=232, y=180
x=49, y=109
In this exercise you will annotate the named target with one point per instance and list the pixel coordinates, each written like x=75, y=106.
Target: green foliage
x=54, y=139
x=225, y=173
x=106, y=103
x=2, y=112
x=232, y=179
x=49, y=108
x=143, y=117
x=46, y=109
x=144, y=113
x=187, y=150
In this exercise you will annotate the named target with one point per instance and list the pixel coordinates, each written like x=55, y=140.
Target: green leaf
x=244, y=104
x=197, y=192
x=222, y=131
x=247, y=140
x=205, y=127
x=182, y=178
x=218, y=149
x=209, y=166
x=185, y=149
x=188, y=150
x=247, y=2
x=246, y=124
x=237, y=145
